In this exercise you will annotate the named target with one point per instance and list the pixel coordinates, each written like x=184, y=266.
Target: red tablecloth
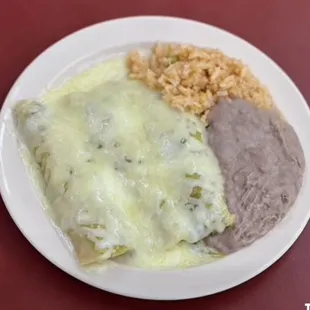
x=281, y=28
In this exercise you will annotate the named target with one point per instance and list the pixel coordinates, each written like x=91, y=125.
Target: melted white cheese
x=127, y=170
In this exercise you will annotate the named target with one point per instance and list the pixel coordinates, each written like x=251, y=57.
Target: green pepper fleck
x=194, y=176
x=119, y=250
x=162, y=203
x=209, y=206
x=183, y=141
x=128, y=160
x=196, y=192
x=197, y=136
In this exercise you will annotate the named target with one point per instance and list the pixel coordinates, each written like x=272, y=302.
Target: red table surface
x=281, y=28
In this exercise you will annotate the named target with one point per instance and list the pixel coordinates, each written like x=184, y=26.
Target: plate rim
x=132, y=18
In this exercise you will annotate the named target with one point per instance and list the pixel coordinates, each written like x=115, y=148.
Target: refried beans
x=263, y=164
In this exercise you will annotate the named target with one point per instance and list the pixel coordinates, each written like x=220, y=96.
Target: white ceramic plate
x=72, y=55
